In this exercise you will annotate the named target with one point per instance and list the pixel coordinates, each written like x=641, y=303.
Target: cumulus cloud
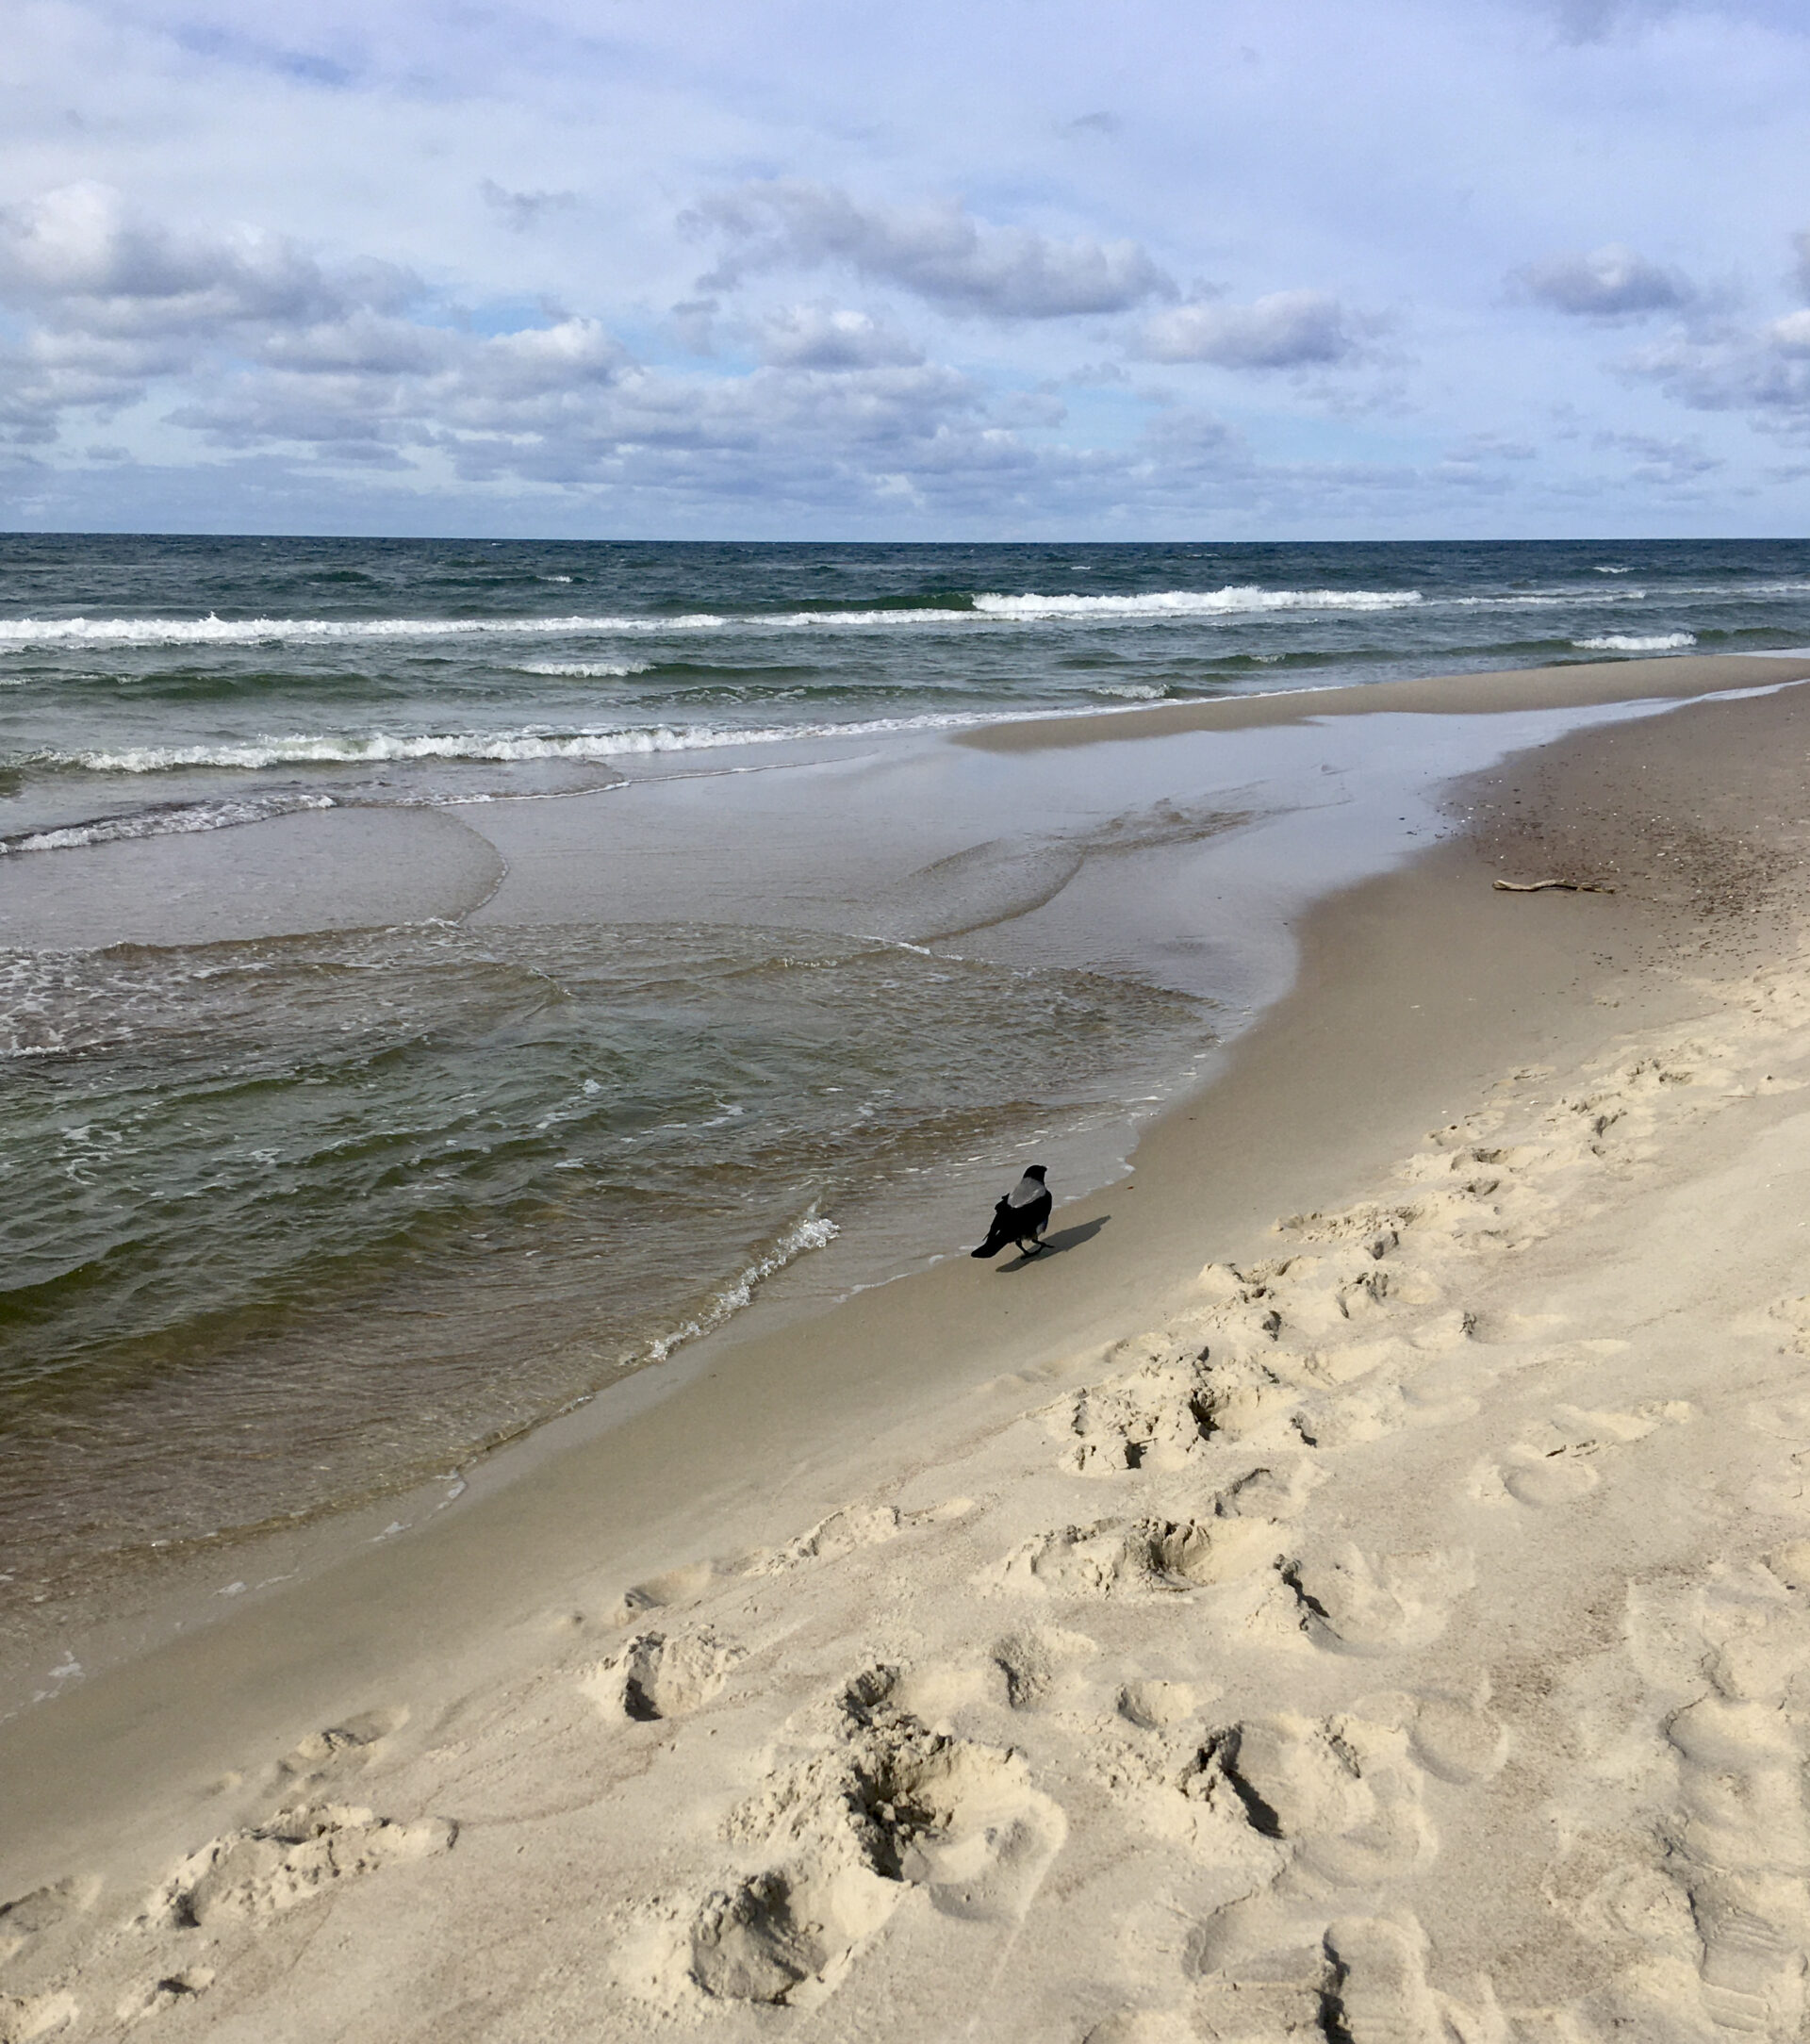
x=1667, y=462
x=1282, y=330
x=939, y=253
x=80, y=255
x=1727, y=366
x=271, y=341
x=1609, y=283
x=828, y=338
x=1764, y=372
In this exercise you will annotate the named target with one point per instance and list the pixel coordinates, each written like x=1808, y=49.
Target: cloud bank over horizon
x=1515, y=268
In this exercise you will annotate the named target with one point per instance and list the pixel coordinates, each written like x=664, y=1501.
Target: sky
x=787, y=269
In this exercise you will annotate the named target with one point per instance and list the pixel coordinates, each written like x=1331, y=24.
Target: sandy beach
x=1360, y=1587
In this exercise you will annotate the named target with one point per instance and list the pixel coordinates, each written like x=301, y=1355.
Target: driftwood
x=1539, y=887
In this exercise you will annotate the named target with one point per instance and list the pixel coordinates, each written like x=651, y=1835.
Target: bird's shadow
x=1065, y=1238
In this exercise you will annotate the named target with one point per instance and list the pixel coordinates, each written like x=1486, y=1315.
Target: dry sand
x=1359, y=1589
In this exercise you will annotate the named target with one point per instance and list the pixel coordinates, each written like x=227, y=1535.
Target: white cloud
x=1669, y=462
x=823, y=337
x=1765, y=373
x=406, y=173
x=1281, y=330
x=1610, y=283
x=938, y=252
x=81, y=255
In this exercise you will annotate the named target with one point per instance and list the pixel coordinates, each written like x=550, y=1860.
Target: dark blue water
x=152, y=676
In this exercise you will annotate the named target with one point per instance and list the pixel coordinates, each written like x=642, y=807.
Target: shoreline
x=186, y=1592
x=1297, y=1024
x=1180, y=860
x=1415, y=991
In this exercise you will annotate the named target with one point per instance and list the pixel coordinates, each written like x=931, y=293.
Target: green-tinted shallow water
x=288, y=1221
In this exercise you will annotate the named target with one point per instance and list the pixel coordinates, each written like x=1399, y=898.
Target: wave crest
x=811, y=1230
x=1195, y=602
x=1635, y=642
x=175, y=822
x=586, y=670
x=380, y=748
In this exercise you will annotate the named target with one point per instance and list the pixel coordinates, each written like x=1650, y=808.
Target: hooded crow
x=1021, y=1217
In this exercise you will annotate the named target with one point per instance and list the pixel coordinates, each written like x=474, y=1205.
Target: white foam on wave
x=1548, y=600
x=1634, y=642
x=987, y=610
x=378, y=748
x=586, y=670
x=1590, y=599
x=1194, y=602
x=16, y=634
x=163, y=823
x=813, y=1231
x=211, y=631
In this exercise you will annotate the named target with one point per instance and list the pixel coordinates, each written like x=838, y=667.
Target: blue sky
x=1492, y=268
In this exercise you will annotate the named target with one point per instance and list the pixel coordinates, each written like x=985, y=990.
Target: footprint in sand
x=296, y=1854
x=1155, y=1706
x=1376, y=1989
x=25, y=2018
x=1133, y=1558
x=29, y=1919
x=1741, y=1837
x=657, y=1676
x=842, y=1835
x=1343, y=1795
x=1154, y=1419
x=1032, y=1668
x=1355, y=1603
x=1341, y=1800
x=842, y=1532
x=684, y=1585
x=339, y=1747
x=1717, y=1888
x=1457, y=1737
x=1560, y=1461
x=165, y=1993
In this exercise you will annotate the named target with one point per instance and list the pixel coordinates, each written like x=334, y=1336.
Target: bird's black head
x=1036, y=1171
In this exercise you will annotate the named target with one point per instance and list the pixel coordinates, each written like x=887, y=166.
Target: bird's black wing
x=1001, y=1232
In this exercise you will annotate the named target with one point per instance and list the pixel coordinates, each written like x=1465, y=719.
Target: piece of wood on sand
x=1539, y=887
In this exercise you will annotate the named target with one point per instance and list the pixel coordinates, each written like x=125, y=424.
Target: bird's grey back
x=1027, y=1190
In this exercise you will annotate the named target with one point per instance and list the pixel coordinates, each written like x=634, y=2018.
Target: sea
x=293, y=1216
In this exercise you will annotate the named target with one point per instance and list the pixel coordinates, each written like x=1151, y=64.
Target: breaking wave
x=20, y=632
x=957, y=614
x=331, y=749
x=1633, y=642
x=1194, y=602
x=813, y=1231
x=175, y=822
x=586, y=670
x=214, y=631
